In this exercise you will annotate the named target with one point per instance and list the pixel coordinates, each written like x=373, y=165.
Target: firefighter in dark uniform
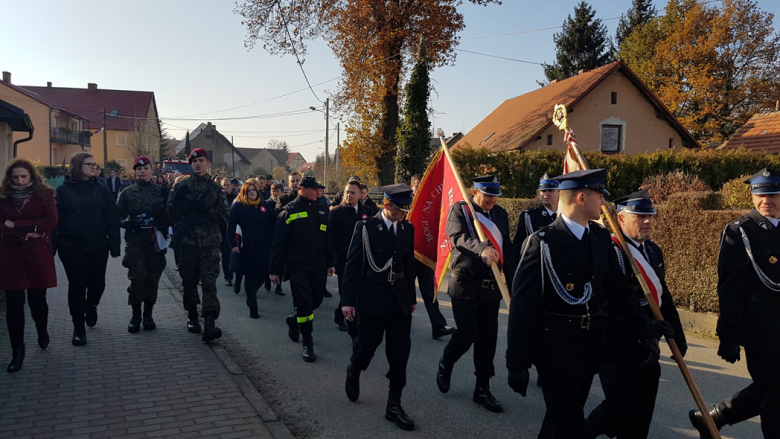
x=341, y=225
x=301, y=248
x=629, y=372
x=379, y=284
x=473, y=289
x=531, y=220
x=294, y=180
x=566, y=272
x=749, y=288
x=141, y=208
x=200, y=206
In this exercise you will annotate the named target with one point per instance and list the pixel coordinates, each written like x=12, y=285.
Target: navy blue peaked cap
x=765, y=182
x=593, y=179
x=638, y=203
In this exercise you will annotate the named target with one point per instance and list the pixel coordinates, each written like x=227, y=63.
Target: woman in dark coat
x=28, y=214
x=256, y=219
x=88, y=231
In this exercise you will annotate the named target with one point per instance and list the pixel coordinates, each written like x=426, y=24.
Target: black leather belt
x=390, y=276
x=579, y=321
x=489, y=284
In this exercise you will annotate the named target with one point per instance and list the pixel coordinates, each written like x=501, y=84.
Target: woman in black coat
x=88, y=231
x=256, y=219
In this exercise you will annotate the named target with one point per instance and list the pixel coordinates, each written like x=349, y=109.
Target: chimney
x=91, y=86
x=777, y=105
x=553, y=81
x=7, y=77
x=48, y=84
x=583, y=71
x=213, y=127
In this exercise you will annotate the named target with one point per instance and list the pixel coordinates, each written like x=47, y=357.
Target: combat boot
x=149, y=324
x=17, y=359
x=193, y=323
x=135, y=321
x=211, y=331
x=352, y=385
x=698, y=421
x=253, y=314
x=483, y=397
x=443, y=376
x=395, y=413
x=292, y=327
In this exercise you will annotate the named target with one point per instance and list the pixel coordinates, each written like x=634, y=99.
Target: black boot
x=193, y=323
x=149, y=324
x=43, y=336
x=135, y=321
x=17, y=359
x=483, y=397
x=253, y=313
x=443, y=376
x=292, y=327
x=698, y=421
x=79, y=334
x=308, y=343
x=395, y=413
x=279, y=290
x=352, y=386
x=211, y=331
x=91, y=316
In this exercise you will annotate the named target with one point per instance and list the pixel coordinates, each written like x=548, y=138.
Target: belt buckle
x=585, y=321
x=391, y=276
x=486, y=283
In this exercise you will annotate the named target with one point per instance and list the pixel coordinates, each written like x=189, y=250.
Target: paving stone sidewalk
x=161, y=383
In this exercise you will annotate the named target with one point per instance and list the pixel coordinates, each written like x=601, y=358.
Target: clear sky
x=191, y=54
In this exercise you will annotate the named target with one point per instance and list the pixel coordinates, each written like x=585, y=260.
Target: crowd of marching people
x=576, y=308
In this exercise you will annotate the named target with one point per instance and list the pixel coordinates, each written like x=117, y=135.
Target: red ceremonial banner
x=437, y=192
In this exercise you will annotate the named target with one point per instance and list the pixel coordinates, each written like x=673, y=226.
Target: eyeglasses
x=91, y=165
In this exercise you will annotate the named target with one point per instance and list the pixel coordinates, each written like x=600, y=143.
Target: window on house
x=121, y=139
x=56, y=121
x=671, y=143
x=74, y=126
x=611, y=139
x=613, y=98
x=549, y=139
x=122, y=163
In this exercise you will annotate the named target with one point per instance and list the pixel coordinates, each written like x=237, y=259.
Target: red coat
x=27, y=264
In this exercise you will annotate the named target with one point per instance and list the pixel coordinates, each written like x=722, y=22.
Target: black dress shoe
x=134, y=325
x=193, y=322
x=442, y=331
x=228, y=282
x=443, y=376
x=43, y=338
x=91, y=316
x=79, y=339
x=253, y=313
x=697, y=420
x=292, y=327
x=343, y=325
x=308, y=353
x=279, y=290
x=483, y=397
x=327, y=293
x=352, y=386
x=395, y=413
x=149, y=324
x=17, y=359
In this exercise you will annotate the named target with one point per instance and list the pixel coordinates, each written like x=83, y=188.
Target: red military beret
x=198, y=152
x=141, y=160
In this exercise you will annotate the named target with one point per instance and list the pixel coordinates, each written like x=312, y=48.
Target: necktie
x=392, y=229
x=585, y=235
x=642, y=251
x=554, y=215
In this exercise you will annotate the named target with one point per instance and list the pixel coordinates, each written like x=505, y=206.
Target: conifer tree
x=187, y=146
x=414, y=131
x=641, y=12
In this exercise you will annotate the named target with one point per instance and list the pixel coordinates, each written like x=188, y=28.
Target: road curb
x=277, y=428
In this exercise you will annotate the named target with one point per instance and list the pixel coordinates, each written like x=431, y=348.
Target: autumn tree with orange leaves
x=375, y=42
x=712, y=65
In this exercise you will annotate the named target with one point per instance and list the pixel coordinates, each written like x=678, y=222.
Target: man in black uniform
x=379, y=284
x=748, y=275
x=629, y=371
x=340, y=196
x=341, y=225
x=474, y=291
x=293, y=181
x=301, y=248
x=426, y=283
x=565, y=273
x=531, y=220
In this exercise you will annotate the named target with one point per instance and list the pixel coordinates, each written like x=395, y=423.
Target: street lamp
x=327, y=128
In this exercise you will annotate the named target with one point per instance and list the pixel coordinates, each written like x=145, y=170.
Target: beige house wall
x=6, y=144
x=642, y=131
x=119, y=143
x=297, y=162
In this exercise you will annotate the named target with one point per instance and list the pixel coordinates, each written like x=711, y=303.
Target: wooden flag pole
x=477, y=225
x=559, y=119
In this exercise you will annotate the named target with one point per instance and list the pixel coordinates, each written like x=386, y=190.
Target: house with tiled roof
x=295, y=160
x=609, y=109
x=225, y=157
x=59, y=132
x=264, y=160
x=307, y=169
x=761, y=134
x=129, y=119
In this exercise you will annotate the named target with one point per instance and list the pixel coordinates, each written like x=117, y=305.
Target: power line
x=295, y=52
x=526, y=31
x=499, y=57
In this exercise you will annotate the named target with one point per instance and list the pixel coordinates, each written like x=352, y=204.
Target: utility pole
x=327, y=129
x=338, y=153
x=105, y=141
x=233, y=154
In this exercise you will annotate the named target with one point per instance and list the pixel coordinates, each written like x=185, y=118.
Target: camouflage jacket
x=143, y=198
x=199, y=206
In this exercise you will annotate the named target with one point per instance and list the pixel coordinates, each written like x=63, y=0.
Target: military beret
x=141, y=160
x=198, y=152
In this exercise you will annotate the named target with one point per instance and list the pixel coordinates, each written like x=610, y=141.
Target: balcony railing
x=63, y=135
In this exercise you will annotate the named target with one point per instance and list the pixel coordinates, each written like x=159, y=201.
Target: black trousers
x=398, y=344
x=14, y=313
x=307, y=288
x=564, y=397
x=426, y=283
x=251, y=285
x=224, y=248
x=477, y=324
x=339, y=316
x=86, y=271
x=630, y=391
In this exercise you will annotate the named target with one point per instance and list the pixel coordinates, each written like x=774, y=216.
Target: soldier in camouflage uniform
x=141, y=208
x=200, y=206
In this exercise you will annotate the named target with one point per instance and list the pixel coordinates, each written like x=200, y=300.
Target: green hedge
x=520, y=171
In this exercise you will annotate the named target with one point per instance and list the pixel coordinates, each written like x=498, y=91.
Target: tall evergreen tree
x=582, y=44
x=641, y=12
x=413, y=136
x=187, y=146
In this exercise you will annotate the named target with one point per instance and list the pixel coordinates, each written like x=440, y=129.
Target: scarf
x=254, y=203
x=21, y=194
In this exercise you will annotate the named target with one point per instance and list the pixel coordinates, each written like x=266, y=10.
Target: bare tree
x=144, y=138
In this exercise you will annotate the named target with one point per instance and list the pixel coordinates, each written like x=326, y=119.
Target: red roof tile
x=760, y=133
x=39, y=98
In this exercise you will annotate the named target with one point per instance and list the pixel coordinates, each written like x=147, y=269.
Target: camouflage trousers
x=200, y=264
x=144, y=268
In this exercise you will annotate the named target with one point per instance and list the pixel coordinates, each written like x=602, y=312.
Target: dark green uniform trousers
x=200, y=264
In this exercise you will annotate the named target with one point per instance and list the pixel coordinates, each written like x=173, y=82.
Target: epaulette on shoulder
x=741, y=221
x=544, y=231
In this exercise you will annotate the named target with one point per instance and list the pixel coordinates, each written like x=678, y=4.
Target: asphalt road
x=310, y=397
